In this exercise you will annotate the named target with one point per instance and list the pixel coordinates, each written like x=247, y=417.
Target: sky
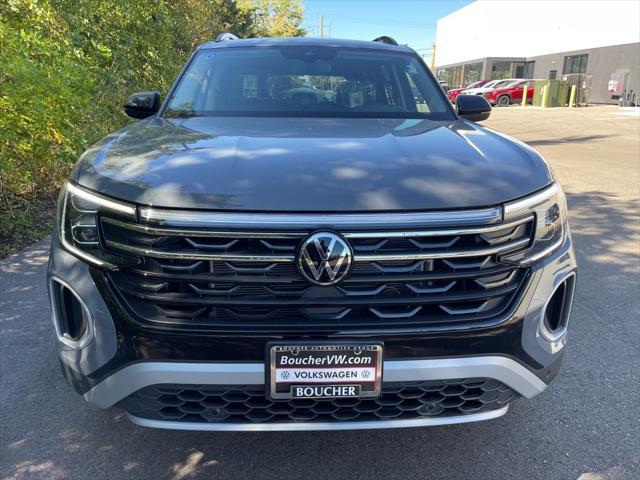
x=411, y=22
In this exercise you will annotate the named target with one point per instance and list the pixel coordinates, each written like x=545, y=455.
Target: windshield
x=477, y=84
x=307, y=81
x=502, y=83
x=491, y=84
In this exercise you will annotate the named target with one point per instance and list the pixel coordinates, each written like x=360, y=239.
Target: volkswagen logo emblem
x=324, y=258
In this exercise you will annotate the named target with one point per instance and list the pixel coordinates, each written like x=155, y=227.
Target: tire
x=503, y=101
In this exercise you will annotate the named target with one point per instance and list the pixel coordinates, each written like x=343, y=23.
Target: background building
x=543, y=40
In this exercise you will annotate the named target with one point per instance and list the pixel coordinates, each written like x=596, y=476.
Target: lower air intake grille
x=399, y=401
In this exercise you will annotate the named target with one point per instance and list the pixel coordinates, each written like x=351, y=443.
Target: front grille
x=209, y=279
x=248, y=404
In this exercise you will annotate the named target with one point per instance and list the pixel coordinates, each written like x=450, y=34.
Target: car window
x=498, y=84
x=307, y=81
x=477, y=84
x=418, y=97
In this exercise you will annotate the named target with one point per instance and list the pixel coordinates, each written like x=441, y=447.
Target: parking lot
x=586, y=425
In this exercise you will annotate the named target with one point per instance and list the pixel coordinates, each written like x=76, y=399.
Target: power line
x=380, y=21
x=321, y=29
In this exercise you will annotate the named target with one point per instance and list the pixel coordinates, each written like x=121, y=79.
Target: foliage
x=274, y=18
x=67, y=66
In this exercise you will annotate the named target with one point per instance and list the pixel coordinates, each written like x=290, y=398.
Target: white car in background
x=489, y=86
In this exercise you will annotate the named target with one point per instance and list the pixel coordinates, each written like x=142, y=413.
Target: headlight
x=551, y=223
x=79, y=230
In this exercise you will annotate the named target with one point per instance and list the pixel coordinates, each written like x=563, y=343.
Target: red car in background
x=454, y=92
x=511, y=93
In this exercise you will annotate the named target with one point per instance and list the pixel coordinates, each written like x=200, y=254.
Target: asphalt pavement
x=585, y=426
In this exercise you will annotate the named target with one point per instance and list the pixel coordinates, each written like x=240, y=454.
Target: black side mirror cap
x=473, y=107
x=142, y=104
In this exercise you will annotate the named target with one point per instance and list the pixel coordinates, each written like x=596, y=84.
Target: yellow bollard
x=572, y=96
x=545, y=96
x=524, y=95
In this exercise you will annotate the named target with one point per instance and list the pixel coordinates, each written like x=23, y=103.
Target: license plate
x=324, y=370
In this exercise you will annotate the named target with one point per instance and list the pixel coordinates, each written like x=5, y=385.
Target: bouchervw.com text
x=328, y=360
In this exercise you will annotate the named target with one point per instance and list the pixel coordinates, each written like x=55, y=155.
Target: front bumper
x=124, y=383
x=143, y=374
x=121, y=360
x=343, y=425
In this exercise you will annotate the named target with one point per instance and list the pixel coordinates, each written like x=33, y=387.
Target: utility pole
x=433, y=57
x=321, y=26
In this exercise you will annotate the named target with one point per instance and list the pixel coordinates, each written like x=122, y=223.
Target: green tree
x=67, y=66
x=274, y=18
x=230, y=16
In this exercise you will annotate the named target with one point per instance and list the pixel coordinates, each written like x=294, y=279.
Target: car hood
x=304, y=164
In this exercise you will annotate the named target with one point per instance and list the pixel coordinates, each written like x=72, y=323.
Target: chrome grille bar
x=142, y=228
x=365, y=257
x=219, y=257
x=477, y=252
x=180, y=218
x=292, y=279
x=347, y=234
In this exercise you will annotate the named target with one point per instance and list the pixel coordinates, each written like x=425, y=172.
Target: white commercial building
x=491, y=39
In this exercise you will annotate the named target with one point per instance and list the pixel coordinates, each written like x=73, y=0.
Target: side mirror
x=473, y=107
x=142, y=104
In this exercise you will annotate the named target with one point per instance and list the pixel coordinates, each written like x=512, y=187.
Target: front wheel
x=503, y=101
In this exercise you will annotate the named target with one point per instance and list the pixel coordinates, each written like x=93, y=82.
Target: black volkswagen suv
x=306, y=234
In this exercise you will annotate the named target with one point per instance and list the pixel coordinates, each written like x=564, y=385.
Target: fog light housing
x=71, y=317
x=554, y=318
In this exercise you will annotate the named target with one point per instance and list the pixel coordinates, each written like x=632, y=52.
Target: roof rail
x=385, y=39
x=223, y=37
